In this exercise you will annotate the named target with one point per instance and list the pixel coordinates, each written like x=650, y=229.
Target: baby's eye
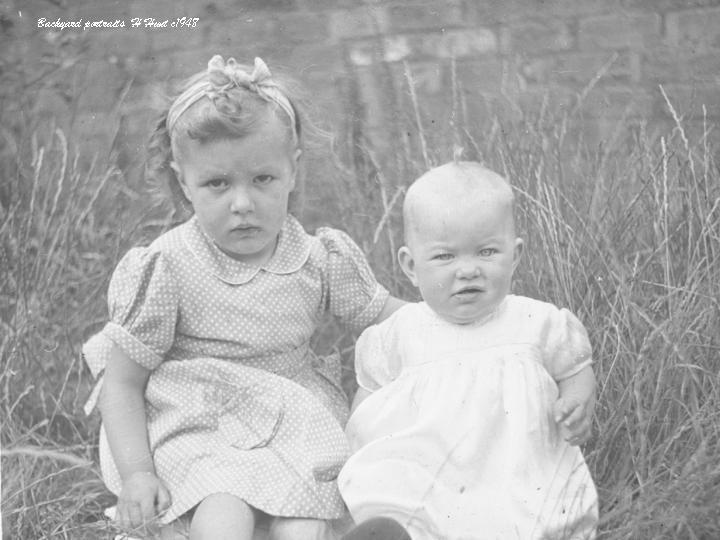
x=216, y=183
x=487, y=252
x=442, y=257
x=263, y=179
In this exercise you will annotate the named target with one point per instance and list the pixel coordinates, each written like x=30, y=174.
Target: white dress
x=457, y=439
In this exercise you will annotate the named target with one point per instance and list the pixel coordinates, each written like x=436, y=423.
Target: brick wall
x=509, y=54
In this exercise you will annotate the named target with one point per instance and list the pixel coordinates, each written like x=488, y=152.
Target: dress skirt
x=220, y=427
x=466, y=448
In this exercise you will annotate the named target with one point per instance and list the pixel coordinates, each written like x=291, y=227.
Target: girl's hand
x=143, y=498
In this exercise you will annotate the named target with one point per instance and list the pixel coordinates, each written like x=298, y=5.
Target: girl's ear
x=407, y=263
x=517, y=252
x=181, y=181
x=295, y=164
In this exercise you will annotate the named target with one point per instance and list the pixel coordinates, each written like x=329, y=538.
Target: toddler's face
x=462, y=259
x=239, y=188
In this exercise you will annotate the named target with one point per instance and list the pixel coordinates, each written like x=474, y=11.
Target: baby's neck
x=479, y=321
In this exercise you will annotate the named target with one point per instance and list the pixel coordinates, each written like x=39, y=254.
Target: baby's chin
x=463, y=319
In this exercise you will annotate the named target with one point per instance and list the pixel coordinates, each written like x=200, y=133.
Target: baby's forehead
x=459, y=184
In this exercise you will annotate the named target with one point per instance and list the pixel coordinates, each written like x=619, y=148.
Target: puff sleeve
x=377, y=358
x=350, y=289
x=142, y=302
x=567, y=348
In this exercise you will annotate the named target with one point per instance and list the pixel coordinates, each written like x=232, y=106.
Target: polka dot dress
x=236, y=401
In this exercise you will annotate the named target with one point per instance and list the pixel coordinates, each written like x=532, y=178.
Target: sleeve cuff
x=575, y=369
x=96, y=352
x=132, y=346
x=366, y=317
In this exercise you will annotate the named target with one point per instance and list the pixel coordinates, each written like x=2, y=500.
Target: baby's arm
x=575, y=405
x=122, y=405
x=377, y=362
x=392, y=304
x=360, y=396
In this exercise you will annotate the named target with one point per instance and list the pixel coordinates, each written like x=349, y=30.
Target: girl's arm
x=122, y=405
x=575, y=405
x=392, y=304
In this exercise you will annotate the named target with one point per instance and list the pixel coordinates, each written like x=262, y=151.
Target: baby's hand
x=575, y=418
x=142, y=499
x=574, y=408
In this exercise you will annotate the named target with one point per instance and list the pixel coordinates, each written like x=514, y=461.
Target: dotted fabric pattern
x=236, y=401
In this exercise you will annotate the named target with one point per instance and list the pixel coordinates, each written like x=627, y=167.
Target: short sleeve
x=377, y=360
x=350, y=289
x=142, y=302
x=567, y=348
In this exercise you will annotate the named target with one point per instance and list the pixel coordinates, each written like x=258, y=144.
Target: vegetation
x=626, y=233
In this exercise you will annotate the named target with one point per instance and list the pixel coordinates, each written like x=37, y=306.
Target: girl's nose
x=241, y=202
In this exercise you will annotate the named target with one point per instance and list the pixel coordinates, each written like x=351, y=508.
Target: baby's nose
x=468, y=270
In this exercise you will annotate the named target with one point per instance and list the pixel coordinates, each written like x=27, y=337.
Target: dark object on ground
x=378, y=529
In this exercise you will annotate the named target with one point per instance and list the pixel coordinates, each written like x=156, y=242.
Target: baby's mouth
x=466, y=292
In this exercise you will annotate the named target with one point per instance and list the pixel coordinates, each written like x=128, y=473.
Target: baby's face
x=462, y=257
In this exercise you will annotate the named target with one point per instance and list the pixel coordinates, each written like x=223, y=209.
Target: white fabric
x=458, y=441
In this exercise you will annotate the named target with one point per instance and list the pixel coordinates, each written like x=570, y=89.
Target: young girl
x=213, y=405
x=472, y=403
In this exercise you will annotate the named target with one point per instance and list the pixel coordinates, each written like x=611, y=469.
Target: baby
x=471, y=404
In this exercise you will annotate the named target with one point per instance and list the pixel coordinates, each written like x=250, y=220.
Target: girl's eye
x=216, y=183
x=487, y=252
x=264, y=179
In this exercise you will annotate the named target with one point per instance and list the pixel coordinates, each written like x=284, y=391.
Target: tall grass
x=626, y=234
x=65, y=218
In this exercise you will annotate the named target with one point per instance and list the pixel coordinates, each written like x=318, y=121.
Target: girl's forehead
x=267, y=136
x=203, y=123
x=230, y=156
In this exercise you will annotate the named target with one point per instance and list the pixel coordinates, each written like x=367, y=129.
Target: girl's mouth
x=245, y=230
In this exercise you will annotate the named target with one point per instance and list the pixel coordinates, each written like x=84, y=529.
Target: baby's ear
x=407, y=263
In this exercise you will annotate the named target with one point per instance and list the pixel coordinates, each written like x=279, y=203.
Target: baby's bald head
x=454, y=187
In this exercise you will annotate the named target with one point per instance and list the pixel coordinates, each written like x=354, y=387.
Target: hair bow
x=223, y=75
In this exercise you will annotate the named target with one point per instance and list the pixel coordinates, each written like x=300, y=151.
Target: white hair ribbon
x=222, y=76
